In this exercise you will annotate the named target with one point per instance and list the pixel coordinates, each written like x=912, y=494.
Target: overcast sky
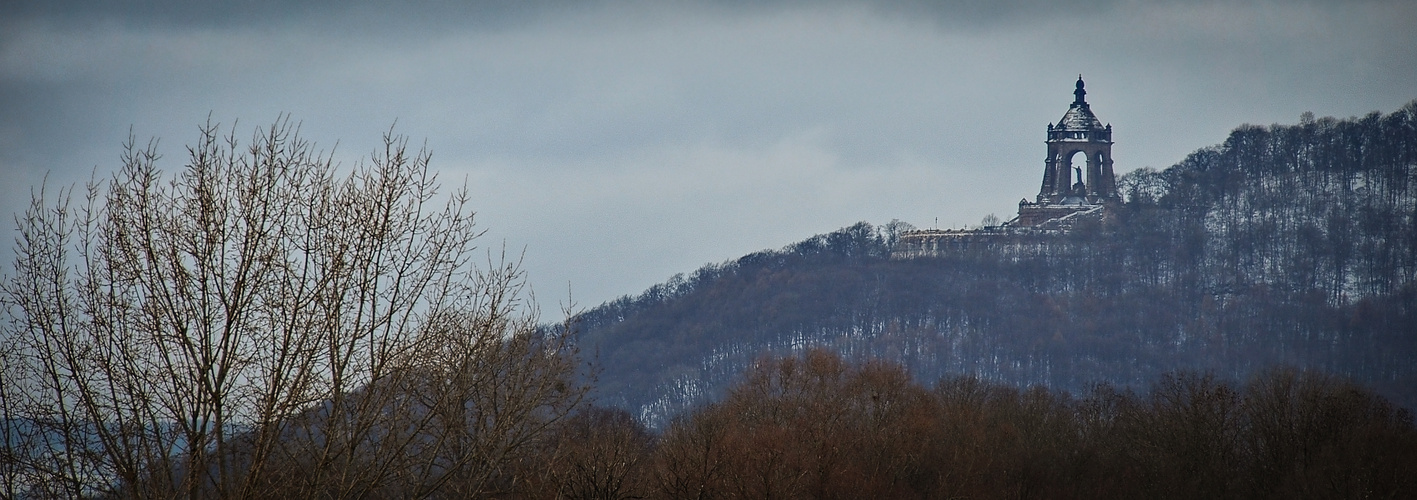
x=620, y=142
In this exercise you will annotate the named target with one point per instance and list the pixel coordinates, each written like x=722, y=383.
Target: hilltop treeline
x=1286, y=244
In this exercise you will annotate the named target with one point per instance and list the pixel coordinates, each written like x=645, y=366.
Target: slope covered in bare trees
x=1286, y=245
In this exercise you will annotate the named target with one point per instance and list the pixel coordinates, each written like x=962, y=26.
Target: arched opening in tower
x=1076, y=176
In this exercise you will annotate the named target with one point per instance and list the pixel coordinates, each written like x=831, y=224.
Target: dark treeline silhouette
x=1285, y=245
x=816, y=426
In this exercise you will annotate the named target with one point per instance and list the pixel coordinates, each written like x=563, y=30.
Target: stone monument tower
x=1075, y=191
x=1073, y=184
x=1079, y=132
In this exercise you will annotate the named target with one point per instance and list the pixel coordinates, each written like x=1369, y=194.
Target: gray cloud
x=423, y=15
x=620, y=142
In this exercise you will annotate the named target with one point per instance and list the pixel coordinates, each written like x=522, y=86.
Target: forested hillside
x=1285, y=245
x=257, y=326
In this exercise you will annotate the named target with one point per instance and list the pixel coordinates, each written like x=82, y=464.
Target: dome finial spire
x=1079, y=93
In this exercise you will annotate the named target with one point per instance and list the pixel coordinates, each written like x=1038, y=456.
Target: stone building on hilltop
x=1078, y=185
x=1063, y=194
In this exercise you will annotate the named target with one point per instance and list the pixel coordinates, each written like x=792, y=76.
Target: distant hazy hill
x=1290, y=244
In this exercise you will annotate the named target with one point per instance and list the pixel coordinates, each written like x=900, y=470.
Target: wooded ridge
x=1291, y=245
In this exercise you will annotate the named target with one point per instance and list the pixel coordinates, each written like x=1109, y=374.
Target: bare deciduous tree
x=257, y=324
x=599, y=453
